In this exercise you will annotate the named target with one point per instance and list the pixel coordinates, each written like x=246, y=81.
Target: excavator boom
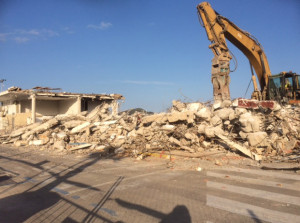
x=218, y=29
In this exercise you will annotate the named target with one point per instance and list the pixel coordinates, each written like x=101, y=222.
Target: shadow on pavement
x=179, y=214
x=254, y=217
x=22, y=206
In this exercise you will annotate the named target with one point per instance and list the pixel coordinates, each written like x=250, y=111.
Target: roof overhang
x=25, y=95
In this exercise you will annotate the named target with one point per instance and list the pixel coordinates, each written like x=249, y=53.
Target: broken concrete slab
x=80, y=128
x=73, y=123
x=41, y=128
x=159, y=118
x=22, y=130
x=177, y=116
x=81, y=146
x=238, y=147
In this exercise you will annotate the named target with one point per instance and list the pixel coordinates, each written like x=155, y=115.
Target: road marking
x=124, y=167
x=108, y=211
x=254, y=181
x=255, y=193
x=29, y=179
x=110, y=182
x=250, y=210
x=60, y=191
x=266, y=173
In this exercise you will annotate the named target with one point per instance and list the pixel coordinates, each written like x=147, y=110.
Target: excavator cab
x=284, y=87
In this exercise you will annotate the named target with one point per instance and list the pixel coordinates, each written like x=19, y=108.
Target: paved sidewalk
x=36, y=186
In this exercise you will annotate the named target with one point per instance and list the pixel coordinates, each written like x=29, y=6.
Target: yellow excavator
x=283, y=87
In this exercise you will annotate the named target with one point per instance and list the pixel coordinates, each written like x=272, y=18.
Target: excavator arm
x=218, y=29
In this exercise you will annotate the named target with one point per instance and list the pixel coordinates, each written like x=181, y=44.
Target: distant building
x=20, y=107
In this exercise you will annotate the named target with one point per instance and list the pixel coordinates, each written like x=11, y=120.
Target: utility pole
x=2, y=83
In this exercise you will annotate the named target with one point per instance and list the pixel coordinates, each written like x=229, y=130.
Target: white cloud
x=32, y=32
x=68, y=30
x=3, y=37
x=147, y=82
x=21, y=39
x=23, y=35
x=48, y=33
x=101, y=26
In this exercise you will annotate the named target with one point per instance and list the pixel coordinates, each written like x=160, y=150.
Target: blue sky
x=152, y=52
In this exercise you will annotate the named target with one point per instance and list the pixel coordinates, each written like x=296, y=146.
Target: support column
x=33, y=108
x=78, y=102
x=115, y=107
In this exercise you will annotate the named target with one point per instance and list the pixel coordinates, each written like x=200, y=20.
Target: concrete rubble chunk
x=178, y=106
x=61, y=135
x=36, y=142
x=289, y=146
x=73, y=123
x=80, y=128
x=201, y=128
x=224, y=113
x=190, y=136
x=257, y=139
x=120, y=150
x=95, y=112
x=19, y=143
x=249, y=122
x=193, y=127
x=236, y=146
x=217, y=105
x=177, y=116
x=181, y=116
x=209, y=132
x=175, y=141
x=196, y=106
x=204, y=113
x=60, y=145
x=216, y=121
x=41, y=128
x=81, y=146
x=243, y=135
x=168, y=127
x=108, y=122
x=68, y=117
x=187, y=149
x=22, y=130
x=159, y=118
x=226, y=104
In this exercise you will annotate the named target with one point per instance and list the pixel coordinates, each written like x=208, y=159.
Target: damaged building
x=21, y=107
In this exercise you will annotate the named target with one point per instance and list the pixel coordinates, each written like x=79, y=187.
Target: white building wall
x=69, y=106
x=47, y=107
x=10, y=107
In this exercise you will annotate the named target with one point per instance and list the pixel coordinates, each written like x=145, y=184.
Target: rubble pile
x=261, y=134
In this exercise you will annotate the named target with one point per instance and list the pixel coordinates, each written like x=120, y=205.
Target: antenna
x=2, y=83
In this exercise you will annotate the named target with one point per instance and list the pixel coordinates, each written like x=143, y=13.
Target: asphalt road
x=37, y=186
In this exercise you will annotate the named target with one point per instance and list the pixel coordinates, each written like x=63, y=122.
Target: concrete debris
x=81, y=146
x=260, y=134
x=59, y=145
x=80, y=128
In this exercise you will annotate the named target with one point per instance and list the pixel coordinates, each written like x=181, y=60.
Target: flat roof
x=15, y=93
